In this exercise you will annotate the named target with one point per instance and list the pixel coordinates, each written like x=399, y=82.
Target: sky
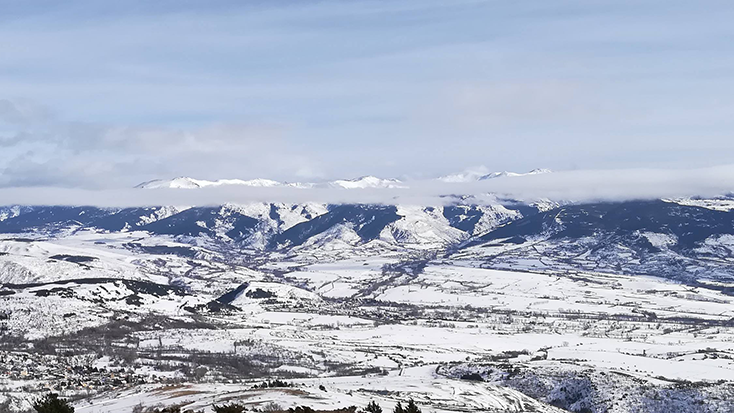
x=101, y=95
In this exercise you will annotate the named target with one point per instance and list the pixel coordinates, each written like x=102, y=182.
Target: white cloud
x=60, y=153
x=575, y=186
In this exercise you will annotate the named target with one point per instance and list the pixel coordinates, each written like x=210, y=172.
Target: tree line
x=51, y=403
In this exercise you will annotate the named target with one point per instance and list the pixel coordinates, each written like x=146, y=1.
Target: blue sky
x=107, y=94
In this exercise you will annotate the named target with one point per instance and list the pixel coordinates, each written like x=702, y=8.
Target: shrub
x=472, y=377
x=272, y=407
x=169, y=409
x=274, y=383
x=229, y=408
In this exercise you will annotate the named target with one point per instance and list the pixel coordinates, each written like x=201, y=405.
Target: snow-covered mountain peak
x=363, y=182
x=509, y=174
x=466, y=176
x=260, y=182
x=538, y=171
x=367, y=182
x=481, y=175
x=184, y=182
x=191, y=183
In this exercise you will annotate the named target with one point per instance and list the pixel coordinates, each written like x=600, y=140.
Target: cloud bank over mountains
x=563, y=186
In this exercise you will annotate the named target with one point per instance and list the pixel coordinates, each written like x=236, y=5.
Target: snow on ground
x=659, y=240
x=424, y=227
x=340, y=279
x=391, y=312
x=526, y=291
x=431, y=392
x=715, y=204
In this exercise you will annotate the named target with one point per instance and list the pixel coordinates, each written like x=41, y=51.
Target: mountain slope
x=367, y=221
x=645, y=237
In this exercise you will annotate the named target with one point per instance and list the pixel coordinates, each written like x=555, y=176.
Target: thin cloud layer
x=40, y=150
x=570, y=186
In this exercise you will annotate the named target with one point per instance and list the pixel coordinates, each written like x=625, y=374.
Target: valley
x=371, y=310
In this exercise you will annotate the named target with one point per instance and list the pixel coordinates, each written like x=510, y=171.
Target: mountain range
x=363, y=182
x=688, y=240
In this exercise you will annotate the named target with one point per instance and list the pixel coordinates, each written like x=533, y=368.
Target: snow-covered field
x=430, y=391
x=197, y=325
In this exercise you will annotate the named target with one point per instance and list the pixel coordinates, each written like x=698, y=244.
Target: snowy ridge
x=367, y=182
x=482, y=174
x=363, y=182
x=191, y=183
x=717, y=204
x=183, y=182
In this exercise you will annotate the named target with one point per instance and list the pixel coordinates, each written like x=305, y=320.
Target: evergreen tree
x=373, y=407
x=412, y=408
x=301, y=409
x=52, y=404
x=399, y=408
